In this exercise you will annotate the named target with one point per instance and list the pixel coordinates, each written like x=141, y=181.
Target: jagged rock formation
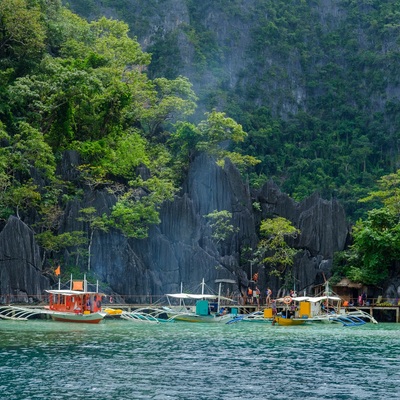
x=323, y=228
x=181, y=248
x=21, y=274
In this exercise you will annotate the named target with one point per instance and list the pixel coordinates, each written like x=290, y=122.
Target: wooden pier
x=249, y=308
x=373, y=309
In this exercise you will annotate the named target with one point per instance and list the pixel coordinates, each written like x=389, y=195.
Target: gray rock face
x=323, y=228
x=181, y=248
x=322, y=223
x=21, y=278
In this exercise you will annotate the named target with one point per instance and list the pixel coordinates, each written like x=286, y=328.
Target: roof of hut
x=345, y=282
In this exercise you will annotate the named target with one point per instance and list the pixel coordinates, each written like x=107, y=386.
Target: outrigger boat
x=281, y=320
x=207, y=308
x=288, y=315
x=76, y=304
x=321, y=309
x=258, y=317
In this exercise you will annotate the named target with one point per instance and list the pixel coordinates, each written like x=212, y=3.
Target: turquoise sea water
x=124, y=360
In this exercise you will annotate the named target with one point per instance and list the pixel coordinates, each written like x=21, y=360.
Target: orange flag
x=57, y=271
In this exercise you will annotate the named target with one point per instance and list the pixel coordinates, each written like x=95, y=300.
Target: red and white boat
x=76, y=304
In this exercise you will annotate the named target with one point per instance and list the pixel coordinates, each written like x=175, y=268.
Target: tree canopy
x=72, y=85
x=273, y=249
x=313, y=84
x=375, y=251
x=308, y=105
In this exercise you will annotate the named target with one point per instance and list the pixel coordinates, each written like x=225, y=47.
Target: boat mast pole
x=180, y=300
x=219, y=296
x=70, y=283
x=327, y=297
x=202, y=286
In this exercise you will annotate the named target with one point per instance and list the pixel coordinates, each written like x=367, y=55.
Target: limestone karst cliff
x=181, y=248
x=21, y=274
x=292, y=74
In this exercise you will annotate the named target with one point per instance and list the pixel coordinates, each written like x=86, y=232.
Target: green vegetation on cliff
x=72, y=85
x=375, y=253
x=313, y=83
x=306, y=93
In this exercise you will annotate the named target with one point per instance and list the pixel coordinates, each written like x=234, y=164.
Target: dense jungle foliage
x=374, y=256
x=307, y=92
x=70, y=85
x=314, y=83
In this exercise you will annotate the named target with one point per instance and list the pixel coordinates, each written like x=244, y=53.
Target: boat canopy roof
x=197, y=296
x=72, y=292
x=313, y=299
x=317, y=299
x=225, y=281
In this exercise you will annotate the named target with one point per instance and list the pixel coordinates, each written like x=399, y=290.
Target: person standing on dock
x=268, y=294
x=250, y=295
x=273, y=306
x=364, y=298
x=256, y=296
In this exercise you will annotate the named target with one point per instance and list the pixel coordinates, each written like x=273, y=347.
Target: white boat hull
x=213, y=318
x=93, y=318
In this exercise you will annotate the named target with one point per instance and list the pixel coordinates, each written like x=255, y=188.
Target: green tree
x=53, y=243
x=376, y=247
x=133, y=215
x=215, y=135
x=388, y=192
x=273, y=248
x=183, y=142
x=125, y=154
x=170, y=101
x=22, y=153
x=220, y=222
x=376, y=239
x=95, y=88
x=217, y=129
x=22, y=32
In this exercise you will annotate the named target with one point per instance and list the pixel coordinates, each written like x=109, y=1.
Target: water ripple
x=120, y=360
